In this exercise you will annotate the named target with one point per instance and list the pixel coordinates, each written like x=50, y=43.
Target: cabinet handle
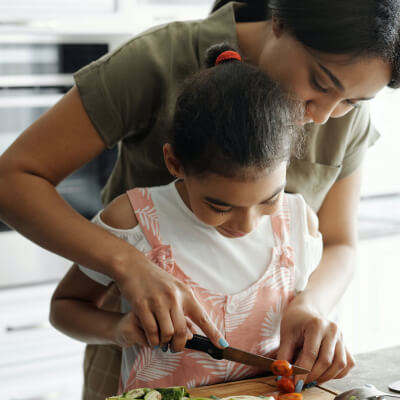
x=29, y=327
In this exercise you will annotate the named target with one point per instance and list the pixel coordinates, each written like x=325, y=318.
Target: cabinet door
x=58, y=378
x=37, y=362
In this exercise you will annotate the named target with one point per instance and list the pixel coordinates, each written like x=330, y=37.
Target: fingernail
x=299, y=386
x=310, y=384
x=164, y=348
x=223, y=342
x=278, y=378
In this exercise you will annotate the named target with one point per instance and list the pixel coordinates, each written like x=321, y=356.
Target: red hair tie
x=228, y=55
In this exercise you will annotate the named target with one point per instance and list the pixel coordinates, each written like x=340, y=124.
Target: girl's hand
x=313, y=342
x=164, y=306
x=128, y=332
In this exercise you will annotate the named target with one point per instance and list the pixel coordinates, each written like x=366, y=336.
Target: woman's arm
x=58, y=143
x=305, y=325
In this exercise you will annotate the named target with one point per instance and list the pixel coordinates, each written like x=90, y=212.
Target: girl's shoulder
x=118, y=214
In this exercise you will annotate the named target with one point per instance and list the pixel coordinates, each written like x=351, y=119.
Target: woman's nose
x=319, y=112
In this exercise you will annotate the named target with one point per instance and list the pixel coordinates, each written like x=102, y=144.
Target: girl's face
x=329, y=85
x=233, y=206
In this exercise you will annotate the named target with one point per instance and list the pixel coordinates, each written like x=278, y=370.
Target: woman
x=332, y=54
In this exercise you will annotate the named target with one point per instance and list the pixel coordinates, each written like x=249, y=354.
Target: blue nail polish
x=310, y=384
x=223, y=342
x=164, y=348
x=278, y=378
x=299, y=386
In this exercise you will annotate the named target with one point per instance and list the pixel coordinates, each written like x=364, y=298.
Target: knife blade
x=202, y=343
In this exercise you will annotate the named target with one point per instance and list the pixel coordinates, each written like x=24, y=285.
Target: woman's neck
x=252, y=38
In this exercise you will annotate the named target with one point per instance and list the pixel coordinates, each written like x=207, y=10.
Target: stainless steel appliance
x=35, y=71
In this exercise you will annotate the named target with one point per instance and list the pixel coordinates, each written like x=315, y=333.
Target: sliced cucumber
x=153, y=395
x=135, y=393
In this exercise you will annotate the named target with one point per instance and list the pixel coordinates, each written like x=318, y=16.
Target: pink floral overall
x=249, y=320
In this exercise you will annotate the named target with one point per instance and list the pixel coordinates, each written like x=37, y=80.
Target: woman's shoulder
x=118, y=214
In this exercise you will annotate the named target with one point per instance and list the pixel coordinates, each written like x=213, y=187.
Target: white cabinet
x=36, y=361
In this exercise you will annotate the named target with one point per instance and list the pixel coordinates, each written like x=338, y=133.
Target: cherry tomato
x=290, y=396
x=285, y=384
x=282, y=368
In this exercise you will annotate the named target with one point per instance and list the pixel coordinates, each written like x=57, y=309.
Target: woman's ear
x=172, y=163
x=277, y=27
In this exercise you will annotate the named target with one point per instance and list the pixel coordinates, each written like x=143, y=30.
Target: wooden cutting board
x=257, y=387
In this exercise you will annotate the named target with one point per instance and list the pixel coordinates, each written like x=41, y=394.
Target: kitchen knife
x=202, y=343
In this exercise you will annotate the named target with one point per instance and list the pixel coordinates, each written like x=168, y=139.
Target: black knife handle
x=202, y=343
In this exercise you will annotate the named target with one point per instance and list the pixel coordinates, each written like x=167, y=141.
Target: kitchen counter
x=380, y=367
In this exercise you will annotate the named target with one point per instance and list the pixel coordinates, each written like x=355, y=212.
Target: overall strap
x=281, y=230
x=146, y=214
x=281, y=223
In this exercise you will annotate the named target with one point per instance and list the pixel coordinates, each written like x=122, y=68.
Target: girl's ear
x=172, y=163
x=277, y=27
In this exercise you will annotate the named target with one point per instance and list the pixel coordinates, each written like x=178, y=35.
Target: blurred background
x=42, y=43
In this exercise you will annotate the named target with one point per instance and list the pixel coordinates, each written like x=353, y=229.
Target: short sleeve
x=363, y=135
x=124, y=90
x=134, y=236
x=333, y=151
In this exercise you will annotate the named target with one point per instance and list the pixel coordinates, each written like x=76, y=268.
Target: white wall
x=382, y=164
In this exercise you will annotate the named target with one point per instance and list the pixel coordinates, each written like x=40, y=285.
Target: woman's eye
x=219, y=210
x=317, y=85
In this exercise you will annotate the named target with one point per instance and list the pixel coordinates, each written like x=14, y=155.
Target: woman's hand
x=164, y=306
x=313, y=342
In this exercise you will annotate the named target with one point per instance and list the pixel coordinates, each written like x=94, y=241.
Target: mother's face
x=329, y=85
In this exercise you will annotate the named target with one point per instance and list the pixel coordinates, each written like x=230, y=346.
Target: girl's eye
x=317, y=86
x=219, y=210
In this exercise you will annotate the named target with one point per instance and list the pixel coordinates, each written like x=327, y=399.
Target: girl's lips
x=232, y=233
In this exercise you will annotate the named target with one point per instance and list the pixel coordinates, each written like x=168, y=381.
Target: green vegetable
x=168, y=393
x=135, y=393
x=153, y=395
x=173, y=392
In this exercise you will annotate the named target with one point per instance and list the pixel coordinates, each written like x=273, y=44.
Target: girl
x=225, y=228
x=333, y=55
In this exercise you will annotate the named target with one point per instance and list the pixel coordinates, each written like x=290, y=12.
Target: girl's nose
x=319, y=112
x=247, y=221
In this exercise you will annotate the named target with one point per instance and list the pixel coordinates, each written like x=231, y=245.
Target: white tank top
x=225, y=265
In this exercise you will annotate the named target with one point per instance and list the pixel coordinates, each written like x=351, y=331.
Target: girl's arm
x=58, y=143
x=75, y=311
x=305, y=325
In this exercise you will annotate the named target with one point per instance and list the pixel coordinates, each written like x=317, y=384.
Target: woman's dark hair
x=359, y=28
x=231, y=117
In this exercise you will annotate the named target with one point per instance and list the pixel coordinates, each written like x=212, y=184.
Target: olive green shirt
x=129, y=95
